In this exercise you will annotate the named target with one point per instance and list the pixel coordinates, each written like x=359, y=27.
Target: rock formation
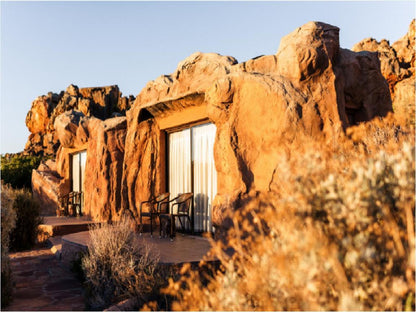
x=310, y=87
x=100, y=102
x=398, y=68
x=45, y=186
x=104, y=142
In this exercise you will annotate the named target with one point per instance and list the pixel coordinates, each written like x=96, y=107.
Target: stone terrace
x=183, y=249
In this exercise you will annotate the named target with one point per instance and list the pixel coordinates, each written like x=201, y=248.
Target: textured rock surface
x=104, y=142
x=103, y=170
x=66, y=126
x=45, y=187
x=100, y=102
x=193, y=75
x=314, y=89
x=311, y=87
x=398, y=68
x=141, y=171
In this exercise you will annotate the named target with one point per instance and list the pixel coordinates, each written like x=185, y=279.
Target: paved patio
x=42, y=283
x=183, y=248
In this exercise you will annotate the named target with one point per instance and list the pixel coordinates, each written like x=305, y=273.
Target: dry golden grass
x=118, y=265
x=336, y=231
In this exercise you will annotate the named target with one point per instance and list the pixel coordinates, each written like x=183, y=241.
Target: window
x=192, y=169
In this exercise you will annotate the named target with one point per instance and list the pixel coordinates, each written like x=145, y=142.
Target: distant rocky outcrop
x=100, y=102
x=398, y=68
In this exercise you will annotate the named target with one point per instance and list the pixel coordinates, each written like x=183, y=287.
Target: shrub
x=118, y=265
x=28, y=219
x=8, y=217
x=16, y=169
x=335, y=232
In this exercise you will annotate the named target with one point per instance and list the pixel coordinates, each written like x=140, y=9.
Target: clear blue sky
x=45, y=46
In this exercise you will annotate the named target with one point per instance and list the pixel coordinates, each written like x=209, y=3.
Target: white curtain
x=180, y=163
x=76, y=186
x=82, y=161
x=197, y=142
x=205, y=175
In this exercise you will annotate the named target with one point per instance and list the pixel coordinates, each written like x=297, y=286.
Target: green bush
x=8, y=218
x=16, y=169
x=28, y=218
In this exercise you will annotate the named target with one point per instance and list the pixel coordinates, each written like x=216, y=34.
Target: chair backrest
x=184, y=202
x=162, y=197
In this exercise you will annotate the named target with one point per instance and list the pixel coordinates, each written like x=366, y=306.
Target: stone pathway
x=43, y=283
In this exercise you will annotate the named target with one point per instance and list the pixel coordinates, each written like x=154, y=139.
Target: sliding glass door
x=192, y=169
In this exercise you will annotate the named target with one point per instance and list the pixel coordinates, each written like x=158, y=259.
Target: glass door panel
x=204, y=175
x=192, y=169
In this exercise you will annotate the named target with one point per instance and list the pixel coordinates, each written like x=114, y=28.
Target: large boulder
x=66, y=126
x=405, y=46
x=104, y=168
x=404, y=100
x=313, y=89
x=398, y=68
x=193, y=75
x=45, y=187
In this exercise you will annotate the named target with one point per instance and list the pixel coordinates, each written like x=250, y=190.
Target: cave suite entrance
x=78, y=161
x=191, y=168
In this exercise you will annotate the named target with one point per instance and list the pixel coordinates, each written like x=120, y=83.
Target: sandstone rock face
x=100, y=102
x=104, y=142
x=193, y=75
x=45, y=182
x=311, y=88
x=405, y=46
x=104, y=168
x=66, y=126
x=404, y=100
x=141, y=169
x=398, y=68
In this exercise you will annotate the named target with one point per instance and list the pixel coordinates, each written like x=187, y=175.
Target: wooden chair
x=63, y=205
x=70, y=204
x=75, y=200
x=153, y=211
x=184, y=209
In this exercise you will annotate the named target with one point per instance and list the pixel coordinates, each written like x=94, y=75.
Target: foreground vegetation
x=336, y=232
x=16, y=169
x=118, y=266
x=20, y=217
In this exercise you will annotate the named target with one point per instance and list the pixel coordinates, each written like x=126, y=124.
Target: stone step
x=59, y=226
x=55, y=245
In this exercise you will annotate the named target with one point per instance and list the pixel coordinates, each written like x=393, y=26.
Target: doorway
x=192, y=169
